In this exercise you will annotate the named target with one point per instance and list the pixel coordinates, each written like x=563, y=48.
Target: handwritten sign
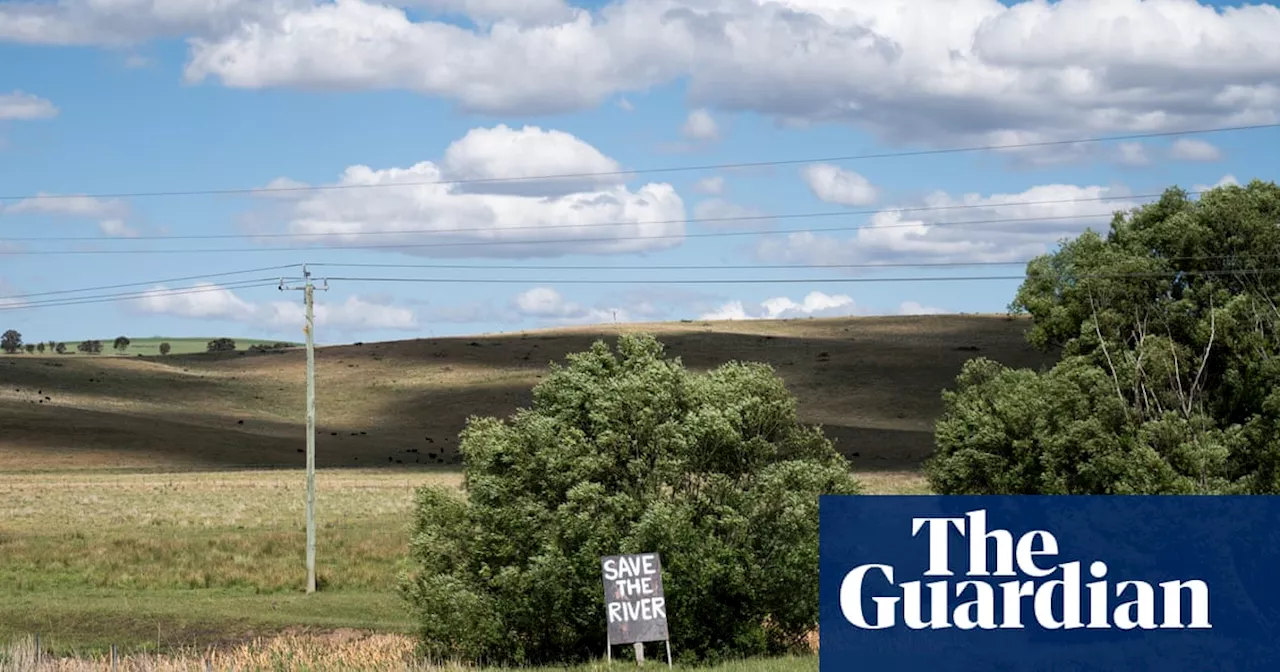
x=634, y=604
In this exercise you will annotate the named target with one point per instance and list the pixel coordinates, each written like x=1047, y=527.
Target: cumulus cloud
x=69, y=205
x=117, y=228
x=814, y=304
x=971, y=227
x=526, y=12
x=8, y=290
x=717, y=213
x=581, y=215
x=712, y=186
x=548, y=305
x=500, y=156
x=834, y=184
x=701, y=126
x=1132, y=154
x=909, y=70
x=118, y=23
x=214, y=302
x=1191, y=149
x=19, y=106
x=917, y=308
x=1227, y=180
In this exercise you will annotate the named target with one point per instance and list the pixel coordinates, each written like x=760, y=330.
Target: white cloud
x=6, y=290
x=215, y=302
x=626, y=105
x=117, y=23
x=503, y=153
x=916, y=308
x=961, y=229
x=527, y=12
x=70, y=205
x=1227, y=180
x=834, y=184
x=910, y=70
x=1132, y=154
x=701, y=126
x=19, y=106
x=713, y=186
x=1191, y=149
x=610, y=217
x=547, y=304
x=117, y=228
x=815, y=304
x=717, y=213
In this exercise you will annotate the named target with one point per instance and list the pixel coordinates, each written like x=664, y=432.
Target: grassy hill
x=153, y=501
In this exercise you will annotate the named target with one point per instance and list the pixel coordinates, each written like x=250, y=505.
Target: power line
x=540, y=227
x=738, y=281
x=152, y=282
x=665, y=169
x=127, y=296
x=742, y=267
x=552, y=241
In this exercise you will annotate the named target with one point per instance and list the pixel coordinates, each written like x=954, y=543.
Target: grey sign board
x=635, y=607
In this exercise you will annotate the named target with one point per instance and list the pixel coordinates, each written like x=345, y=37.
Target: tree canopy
x=628, y=452
x=11, y=341
x=1169, y=378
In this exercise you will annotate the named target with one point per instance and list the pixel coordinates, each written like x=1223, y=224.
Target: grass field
x=151, y=346
x=155, y=503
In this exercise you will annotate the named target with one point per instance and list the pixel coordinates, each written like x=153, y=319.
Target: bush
x=165, y=348
x=60, y=348
x=11, y=341
x=1170, y=374
x=30, y=348
x=628, y=453
x=221, y=345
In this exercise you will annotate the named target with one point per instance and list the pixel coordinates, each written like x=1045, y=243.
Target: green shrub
x=628, y=453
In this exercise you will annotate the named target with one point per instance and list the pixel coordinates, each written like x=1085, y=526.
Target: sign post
x=635, y=606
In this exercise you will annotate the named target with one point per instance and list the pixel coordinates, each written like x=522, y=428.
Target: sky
x=165, y=164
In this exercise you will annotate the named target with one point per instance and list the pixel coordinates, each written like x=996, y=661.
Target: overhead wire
x=640, y=171
x=186, y=278
x=129, y=296
x=563, y=240
x=592, y=225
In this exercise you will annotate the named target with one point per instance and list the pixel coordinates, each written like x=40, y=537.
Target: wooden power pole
x=308, y=294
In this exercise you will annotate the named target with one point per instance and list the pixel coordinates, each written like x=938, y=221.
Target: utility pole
x=308, y=294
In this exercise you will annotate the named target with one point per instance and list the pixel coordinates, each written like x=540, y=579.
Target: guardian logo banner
x=1049, y=583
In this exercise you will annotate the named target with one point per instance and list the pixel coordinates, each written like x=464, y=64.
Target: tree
x=627, y=453
x=11, y=341
x=60, y=348
x=31, y=348
x=121, y=344
x=221, y=345
x=90, y=347
x=1169, y=379
x=40, y=347
x=164, y=348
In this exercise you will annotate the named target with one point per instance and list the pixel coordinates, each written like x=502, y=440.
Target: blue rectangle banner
x=951, y=584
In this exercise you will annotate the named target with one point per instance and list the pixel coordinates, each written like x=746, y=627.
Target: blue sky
x=126, y=97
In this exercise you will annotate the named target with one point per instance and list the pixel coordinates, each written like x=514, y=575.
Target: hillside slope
x=874, y=383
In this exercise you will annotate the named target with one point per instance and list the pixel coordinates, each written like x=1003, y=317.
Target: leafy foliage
x=40, y=347
x=90, y=347
x=30, y=348
x=11, y=341
x=628, y=452
x=120, y=344
x=60, y=348
x=1170, y=374
x=165, y=348
x=221, y=345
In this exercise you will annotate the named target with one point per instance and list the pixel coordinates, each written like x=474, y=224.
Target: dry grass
x=340, y=651
x=149, y=502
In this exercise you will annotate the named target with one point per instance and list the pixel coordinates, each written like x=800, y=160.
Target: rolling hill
x=873, y=383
